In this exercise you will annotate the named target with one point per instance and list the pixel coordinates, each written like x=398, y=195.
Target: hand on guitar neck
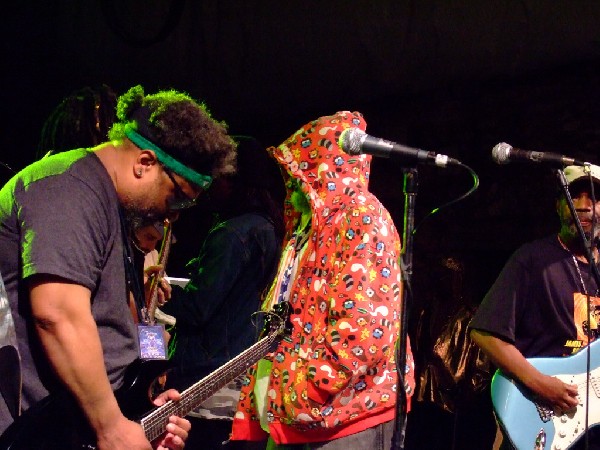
x=156, y=284
x=156, y=289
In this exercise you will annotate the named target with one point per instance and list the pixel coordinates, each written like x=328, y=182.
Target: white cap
x=574, y=173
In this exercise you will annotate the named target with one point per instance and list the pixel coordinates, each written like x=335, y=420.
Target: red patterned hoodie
x=335, y=374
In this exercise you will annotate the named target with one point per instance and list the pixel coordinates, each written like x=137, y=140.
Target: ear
x=144, y=162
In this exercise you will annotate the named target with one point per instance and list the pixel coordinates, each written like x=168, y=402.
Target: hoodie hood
x=312, y=159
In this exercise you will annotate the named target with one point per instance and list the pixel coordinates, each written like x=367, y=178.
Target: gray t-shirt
x=60, y=216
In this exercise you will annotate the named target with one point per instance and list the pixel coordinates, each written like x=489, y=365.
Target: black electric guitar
x=57, y=422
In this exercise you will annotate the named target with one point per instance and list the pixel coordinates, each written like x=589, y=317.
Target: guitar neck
x=155, y=422
x=152, y=302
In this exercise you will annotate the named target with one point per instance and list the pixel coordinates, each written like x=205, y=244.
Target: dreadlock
x=82, y=119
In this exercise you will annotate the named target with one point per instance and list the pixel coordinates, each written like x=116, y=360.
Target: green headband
x=190, y=175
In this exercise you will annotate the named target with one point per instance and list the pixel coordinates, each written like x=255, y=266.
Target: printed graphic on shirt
x=580, y=317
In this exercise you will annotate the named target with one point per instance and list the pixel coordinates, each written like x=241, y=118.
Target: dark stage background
x=456, y=77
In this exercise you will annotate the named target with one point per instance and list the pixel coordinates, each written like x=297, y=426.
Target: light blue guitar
x=530, y=425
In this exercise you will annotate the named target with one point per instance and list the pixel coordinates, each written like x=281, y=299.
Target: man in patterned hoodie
x=331, y=383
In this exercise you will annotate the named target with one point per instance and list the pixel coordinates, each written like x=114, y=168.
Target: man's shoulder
x=73, y=184
x=539, y=246
x=77, y=172
x=79, y=166
x=84, y=166
x=54, y=165
x=244, y=223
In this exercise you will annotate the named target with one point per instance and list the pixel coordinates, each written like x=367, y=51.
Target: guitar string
x=154, y=423
x=592, y=380
x=160, y=416
x=185, y=406
x=253, y=353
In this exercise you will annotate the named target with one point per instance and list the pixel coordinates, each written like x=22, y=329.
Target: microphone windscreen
x=351, y=140
x=501, y=153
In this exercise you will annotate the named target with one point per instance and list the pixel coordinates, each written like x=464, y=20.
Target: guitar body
x=57, y=422
x=524, y=421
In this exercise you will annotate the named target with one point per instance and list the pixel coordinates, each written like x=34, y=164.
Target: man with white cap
x=538, y=304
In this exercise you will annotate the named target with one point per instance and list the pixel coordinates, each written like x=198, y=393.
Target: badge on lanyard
x=152, y=341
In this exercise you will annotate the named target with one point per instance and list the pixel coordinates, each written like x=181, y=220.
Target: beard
x=595, y=235
x=143, y=207
x=592, y=235
x=138, y=215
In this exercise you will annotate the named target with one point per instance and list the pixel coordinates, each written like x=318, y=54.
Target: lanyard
x=132, y=276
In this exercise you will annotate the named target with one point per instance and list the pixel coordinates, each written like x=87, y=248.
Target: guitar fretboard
x=154, y=423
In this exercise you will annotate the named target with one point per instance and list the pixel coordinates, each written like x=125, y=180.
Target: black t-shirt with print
x=537, y=302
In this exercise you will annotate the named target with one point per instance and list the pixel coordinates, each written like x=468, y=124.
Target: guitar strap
x=132, y=277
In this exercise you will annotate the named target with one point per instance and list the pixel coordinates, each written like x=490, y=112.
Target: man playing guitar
x=538, y=308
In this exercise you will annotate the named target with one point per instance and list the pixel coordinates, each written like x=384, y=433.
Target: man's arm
x=510, y=360
x=68, y=333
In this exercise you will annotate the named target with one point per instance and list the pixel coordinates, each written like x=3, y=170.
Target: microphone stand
x=406, y=265
x=587, y=246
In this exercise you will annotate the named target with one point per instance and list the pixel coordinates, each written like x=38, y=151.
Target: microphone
x=354, y=141
x=504, y=153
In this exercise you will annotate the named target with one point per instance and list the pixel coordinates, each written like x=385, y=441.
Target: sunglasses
x=181, y=200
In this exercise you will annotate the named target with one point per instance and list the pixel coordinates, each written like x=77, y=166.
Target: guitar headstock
x=278, y=319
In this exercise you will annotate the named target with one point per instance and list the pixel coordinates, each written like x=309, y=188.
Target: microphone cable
x=470, y=191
